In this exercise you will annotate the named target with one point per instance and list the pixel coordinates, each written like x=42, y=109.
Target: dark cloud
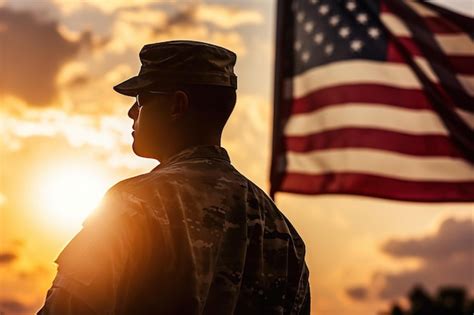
x=185, y=17
x=12, y=306
x=90, y=41
x=89, y=17
x=79, y=81
x=452, y=238
x=31, y=55
x=18, y=243
x=446, y=259
x=434, y=273
x=32, y=275
x=358, y=293
x=7, y=257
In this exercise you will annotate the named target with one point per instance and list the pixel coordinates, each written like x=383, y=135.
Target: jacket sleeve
x=91, y=268
x=60, y=301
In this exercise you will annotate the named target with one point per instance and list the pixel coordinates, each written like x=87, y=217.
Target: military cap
x=181, y=62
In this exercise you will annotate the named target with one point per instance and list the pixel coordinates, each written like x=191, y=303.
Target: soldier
x=192, y=236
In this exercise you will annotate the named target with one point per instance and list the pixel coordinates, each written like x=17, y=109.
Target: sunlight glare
x=70, y=194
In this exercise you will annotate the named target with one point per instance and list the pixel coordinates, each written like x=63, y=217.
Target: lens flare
x=69, y=194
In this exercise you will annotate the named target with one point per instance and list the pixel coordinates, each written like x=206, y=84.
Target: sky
x=65, y=139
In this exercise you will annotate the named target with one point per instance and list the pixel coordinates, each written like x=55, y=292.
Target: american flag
x=374, y=98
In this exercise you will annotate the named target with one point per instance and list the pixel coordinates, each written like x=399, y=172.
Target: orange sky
x=65, y=138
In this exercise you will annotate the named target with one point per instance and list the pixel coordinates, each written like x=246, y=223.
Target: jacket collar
x=211, y=152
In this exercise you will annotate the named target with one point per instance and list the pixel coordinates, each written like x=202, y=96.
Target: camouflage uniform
x=193, y=236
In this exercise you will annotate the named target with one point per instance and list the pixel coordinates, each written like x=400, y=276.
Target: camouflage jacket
x=193, y=236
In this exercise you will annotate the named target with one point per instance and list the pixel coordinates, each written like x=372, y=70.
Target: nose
x=133, y=111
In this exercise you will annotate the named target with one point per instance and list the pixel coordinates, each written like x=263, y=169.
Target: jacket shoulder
x=128, y=183
x=119, y=202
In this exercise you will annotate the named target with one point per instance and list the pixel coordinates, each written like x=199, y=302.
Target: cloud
x=452, y=238
x=106, y=131
x=108, y=136
x=85, y=16
x=33, y=52
x=445, y=258
x=7, y=258
x=68, y=7
x=81, y=44
x=3, y=199
x=358, y=293
x=250, y=120
x=13, y=306
x=194, y=22
x=79, y=80
x=434, y=274
x=225, y=16
x=133, y=28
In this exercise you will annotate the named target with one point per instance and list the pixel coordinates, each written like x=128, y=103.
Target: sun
x=70, y=193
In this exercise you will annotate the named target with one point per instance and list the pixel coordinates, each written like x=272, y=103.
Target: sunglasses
x=139, y=98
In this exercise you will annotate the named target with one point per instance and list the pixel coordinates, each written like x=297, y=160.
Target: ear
x=180, y=105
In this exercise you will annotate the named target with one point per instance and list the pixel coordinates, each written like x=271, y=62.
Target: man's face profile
x=151, y=123
x=159, y=122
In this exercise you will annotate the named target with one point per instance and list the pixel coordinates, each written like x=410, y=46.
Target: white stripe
x=467, y=81
x=456, y=44
x=421, y=9
x=378, y=116
x=426, y=68
x=380, y=163
x=354, y=72
x=366, y=72
x=452, y=44
x=396, y=26
x=466, y=116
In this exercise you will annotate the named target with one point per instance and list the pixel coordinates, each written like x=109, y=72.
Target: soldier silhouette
x=192, y=236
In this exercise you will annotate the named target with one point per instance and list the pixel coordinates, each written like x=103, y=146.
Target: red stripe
x=384, y=8
x=420, y=145
x=377, y=186
x=455, y=64
x=438, y=24
x=441, y=25
x=434, y=24
x=462, y=64
x=444, y=70
x=394, y=55
x=361, y=93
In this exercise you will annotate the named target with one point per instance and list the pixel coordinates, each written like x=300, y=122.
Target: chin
x=137, y=150
x=141, y=151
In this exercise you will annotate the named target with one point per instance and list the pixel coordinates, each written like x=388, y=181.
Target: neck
x=179, y=146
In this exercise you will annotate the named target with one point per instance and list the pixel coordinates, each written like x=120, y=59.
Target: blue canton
x=325, y=31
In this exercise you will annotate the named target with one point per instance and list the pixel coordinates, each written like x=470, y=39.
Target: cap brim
x=133, y=86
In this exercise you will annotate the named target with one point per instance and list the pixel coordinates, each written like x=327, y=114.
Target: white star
x=313, y=1
x=329, y=49
x=351, y=5
x=305, y=56
x=356, y=45
x=362, y=18
x=300, y=16
x=344, y=31
x=308, y=26
x=298, y=45
x=318, y=38
x=334, y=20
x=374, y=32
x=324, y=9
